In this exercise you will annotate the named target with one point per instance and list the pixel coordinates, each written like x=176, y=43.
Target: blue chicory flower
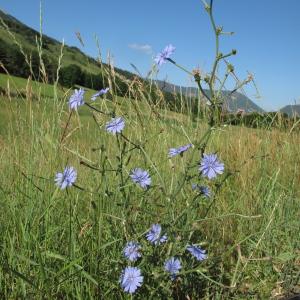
x=141, y=177
x=180, y=150
x=197, y=252
x=164, y=55
x=76, y=99
x=115, y=125
x=210, y=166
x=204, y=190
x=155, y=236
x=131, y=251
x=67, y=178
x=172, y=266
x=130, y=279
x=100, y=93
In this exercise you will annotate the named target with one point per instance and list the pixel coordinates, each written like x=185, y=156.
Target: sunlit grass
x=252, y=229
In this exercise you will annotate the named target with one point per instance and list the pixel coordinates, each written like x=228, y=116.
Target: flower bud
x=206, y=79
x=197, y=75
x=219, y=30
x=230, y=68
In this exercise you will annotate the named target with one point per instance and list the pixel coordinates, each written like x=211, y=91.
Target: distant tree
x=35, y=64
x=17, y=65
x=50, y=68
x=4, y=55
x=71, y=75
x=93, y=81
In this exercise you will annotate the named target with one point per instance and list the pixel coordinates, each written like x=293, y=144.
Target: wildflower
x=172, y=266
x=164, y=55
x=76, y=99
x=197, y=252
x=131, y=279
x=179, y=150
x=101, y=92
x=204, y=190
x=210, y=166
x=115, y=125
x=67, y=178
x=154, y=235
x=141, y=177
x=131, y=251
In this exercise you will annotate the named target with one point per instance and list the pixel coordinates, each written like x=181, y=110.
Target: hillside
x=291, y=110
x=26, y=36
x=14, y=34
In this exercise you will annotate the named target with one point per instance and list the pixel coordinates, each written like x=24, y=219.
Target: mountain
x=79, y=68
x=232, y=102
x=291, y=110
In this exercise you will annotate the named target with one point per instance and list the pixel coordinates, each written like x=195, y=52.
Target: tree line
x=17, y=64
x=13, y=61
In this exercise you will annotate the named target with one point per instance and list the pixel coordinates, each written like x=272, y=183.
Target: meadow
x=82, y=240
x=68, y=244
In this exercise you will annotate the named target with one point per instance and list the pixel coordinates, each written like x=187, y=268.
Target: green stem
x=212, y=79
x=70, y=229
x=95, y=109
x=180, y=67
x=67, y=125
x=223, y=83
x=201, y=89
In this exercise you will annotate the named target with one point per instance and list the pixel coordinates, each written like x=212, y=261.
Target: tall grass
x=68, y=244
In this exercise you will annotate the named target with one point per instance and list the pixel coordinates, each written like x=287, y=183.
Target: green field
x=67, y=244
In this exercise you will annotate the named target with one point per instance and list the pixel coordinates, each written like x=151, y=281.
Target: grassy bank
x=68, y=244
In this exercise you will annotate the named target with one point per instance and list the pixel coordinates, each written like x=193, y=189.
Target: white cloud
x=143, y=48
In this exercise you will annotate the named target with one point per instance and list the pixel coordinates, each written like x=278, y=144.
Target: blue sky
x=267, y=37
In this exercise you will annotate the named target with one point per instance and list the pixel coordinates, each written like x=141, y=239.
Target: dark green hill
x=27, y=37
x=18, y=42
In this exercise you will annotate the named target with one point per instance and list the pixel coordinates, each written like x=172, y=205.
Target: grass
x=23, y=88
x=68, y=244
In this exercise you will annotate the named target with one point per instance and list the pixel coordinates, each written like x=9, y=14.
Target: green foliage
x=69, y=244
x=15, y=63
x=262, y=120
x=71, y=75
